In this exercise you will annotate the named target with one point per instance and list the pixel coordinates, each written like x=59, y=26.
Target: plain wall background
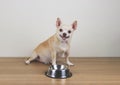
x=26, y=23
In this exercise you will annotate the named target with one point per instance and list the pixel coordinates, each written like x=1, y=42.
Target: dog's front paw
x=27, y=62
x=70, y=64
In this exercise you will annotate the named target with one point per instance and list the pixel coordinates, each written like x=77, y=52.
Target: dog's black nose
x=64, y=34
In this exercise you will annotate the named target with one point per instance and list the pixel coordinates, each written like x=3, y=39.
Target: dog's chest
x=63, y=46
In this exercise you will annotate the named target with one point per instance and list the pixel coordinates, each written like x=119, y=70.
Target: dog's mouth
x=64, y=37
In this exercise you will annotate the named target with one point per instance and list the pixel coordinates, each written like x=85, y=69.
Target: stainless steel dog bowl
x=58, y=71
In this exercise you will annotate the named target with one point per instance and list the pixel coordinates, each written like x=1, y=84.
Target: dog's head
x=64, y=32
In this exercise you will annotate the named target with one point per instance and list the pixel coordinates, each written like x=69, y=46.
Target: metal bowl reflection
x=58, y=71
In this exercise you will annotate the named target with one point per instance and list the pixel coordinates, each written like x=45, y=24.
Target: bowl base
x=70, y=74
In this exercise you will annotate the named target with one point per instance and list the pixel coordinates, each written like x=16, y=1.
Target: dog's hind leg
x=33, y=57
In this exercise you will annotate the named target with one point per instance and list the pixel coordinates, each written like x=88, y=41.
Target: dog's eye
x=60, y=30
x=69, y=31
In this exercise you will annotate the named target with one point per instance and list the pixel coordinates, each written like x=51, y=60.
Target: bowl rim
x=65, y=67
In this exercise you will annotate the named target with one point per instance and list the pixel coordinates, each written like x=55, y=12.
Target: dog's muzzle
x=64, y=37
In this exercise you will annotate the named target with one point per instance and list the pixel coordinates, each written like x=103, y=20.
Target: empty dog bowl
x=58, y=71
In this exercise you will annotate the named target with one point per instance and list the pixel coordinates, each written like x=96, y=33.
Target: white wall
x=26, y=23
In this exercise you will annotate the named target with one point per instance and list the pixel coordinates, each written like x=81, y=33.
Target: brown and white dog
x=57, y=45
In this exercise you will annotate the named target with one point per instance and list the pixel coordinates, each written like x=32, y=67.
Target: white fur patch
x=64, y=46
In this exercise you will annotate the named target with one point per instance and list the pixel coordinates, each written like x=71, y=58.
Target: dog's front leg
x=53, y=56
x=67, y=59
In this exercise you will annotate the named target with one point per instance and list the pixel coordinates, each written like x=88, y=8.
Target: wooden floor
x=87, y=71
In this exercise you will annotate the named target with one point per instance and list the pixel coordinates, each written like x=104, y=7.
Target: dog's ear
x=74, y=25
x=58, y=22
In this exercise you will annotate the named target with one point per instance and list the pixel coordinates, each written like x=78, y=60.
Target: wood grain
x=87, y=71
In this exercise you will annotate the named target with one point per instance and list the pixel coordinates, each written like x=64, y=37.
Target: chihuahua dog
x=56, y=46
